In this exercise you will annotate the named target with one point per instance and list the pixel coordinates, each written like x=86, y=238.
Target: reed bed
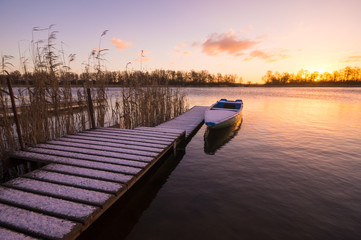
x=49, y=105
x=48, y=110
x=149, y=105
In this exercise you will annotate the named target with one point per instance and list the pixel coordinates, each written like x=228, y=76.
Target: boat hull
x=224, y=122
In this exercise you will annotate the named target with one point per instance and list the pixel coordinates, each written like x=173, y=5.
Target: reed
x=48, y=105
x=148, y=105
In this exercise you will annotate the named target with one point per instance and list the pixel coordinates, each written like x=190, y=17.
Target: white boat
x=223, y=113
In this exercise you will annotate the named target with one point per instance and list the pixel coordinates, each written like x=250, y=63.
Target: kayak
x=223, y=113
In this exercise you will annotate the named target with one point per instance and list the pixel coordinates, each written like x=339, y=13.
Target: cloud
x=142, y=57
x=351, y=59
x=264, y=36
x=267, y=56
x=231, y=43
x=120, y=44
x=145, y=59
x=179, y=51
x=143, y=53
x=228, y=43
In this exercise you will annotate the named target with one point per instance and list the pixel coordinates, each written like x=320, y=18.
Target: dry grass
x=50, y=107
x=147, y=105
x=48, y=110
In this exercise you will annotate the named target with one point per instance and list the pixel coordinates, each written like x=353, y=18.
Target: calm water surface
x=290, y=170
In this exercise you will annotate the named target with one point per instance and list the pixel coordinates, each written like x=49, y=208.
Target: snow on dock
x=84, y=175
x=188, y=122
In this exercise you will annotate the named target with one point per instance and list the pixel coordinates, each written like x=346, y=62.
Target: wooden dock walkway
x=85, y=174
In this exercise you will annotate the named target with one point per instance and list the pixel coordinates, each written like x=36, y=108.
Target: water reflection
x=214, y=139
x=118, y=221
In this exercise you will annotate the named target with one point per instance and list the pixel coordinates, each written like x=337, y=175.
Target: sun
x=320, y=69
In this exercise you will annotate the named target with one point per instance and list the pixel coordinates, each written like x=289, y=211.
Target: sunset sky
x=246, y=38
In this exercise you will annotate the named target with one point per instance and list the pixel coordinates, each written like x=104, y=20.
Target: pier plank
x=159, y=129
x=76, y=181
x=137, y=133
x=48, y=205
x=82, y=156
x=95, y=152
x=60, y=191
x=127, y=137
x=104, y=148
x=146, y=130
x=157, y=137
x=89, y=173
x=133, y=143
x=37, y=224
x=111, y=144
x=7, y=234
x=38, y=156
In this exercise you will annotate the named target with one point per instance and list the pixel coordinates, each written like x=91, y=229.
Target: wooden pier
x=84, y=175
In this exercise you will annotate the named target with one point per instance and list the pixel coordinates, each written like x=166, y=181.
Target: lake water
x=290, y=170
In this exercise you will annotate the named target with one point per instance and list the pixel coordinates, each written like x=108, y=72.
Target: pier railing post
x=175, y=148
x=91, y=108
x=13, y=105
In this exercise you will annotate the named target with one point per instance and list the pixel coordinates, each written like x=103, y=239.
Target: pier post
x=91, y=108
x=12, y=98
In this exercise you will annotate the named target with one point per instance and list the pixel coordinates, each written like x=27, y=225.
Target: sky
x=246, y=38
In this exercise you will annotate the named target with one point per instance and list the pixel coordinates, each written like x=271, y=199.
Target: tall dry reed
x=148, y=105
x=48, y=105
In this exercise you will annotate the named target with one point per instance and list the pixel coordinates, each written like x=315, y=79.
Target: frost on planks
x=40, y=155
x=95, y=152
x=111, y=144
x=36, y=223
x=7, y=234
x=61, y=191
x=49, y=205
x=70, y=155
x=92, y=173
x=102, y=147
x=76, y=181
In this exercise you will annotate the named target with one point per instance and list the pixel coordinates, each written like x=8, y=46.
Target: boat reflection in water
x=214, y=139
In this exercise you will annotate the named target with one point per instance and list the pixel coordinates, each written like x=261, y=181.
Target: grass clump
x=144, y=102
x=52, y=101
x=48, y=106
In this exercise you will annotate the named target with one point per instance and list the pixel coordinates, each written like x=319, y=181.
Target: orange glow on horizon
x=319, y=68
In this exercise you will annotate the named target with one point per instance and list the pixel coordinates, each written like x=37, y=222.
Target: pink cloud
x=142, y=56
x=196, y=44
x=179, y=51
x=228, y=43
x=267, y=56
x=352, y=59
x=143, y=52
x=180, y=46
x=143, y=59
x=120, y=44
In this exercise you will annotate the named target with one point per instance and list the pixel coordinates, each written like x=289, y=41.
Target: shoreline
x=320, y=85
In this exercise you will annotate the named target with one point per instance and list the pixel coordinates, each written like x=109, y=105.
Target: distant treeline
x=348, y=76
x=124, y=78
